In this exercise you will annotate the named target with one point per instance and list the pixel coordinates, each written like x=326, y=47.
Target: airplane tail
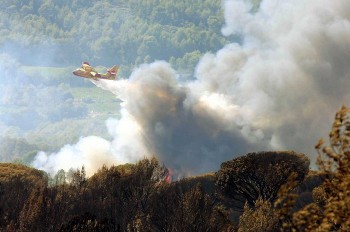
x=112, y=72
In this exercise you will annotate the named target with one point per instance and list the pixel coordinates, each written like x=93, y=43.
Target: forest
x=262, y=191
x=110, y=31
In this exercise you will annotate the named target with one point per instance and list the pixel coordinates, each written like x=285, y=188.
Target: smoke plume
x=277, y=89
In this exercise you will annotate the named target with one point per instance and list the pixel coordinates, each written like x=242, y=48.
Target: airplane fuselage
x=82, y=73
x=93, y=74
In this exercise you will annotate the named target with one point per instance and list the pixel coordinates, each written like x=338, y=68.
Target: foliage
x=133, y=197
x=331, y=210
x=17, y=182
x=88, y=223
x=262, y=218
x=259, y=175
x=129, y=197
x=280, y=214
x=109, y=31
x=138, y=197
x=13, y=148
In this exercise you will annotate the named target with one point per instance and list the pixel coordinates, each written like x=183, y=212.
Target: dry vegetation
x=265, y=191
x=331, y=209
x=330, y=206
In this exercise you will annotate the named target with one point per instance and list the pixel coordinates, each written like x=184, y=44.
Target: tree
x=78, y=177
x=164, y=200
x=33, y=216
x=17, y=182
x=60, y=178
x=88, y=223
x=331, y=209
x=259, y=175
x=194, y=211
x=261, y=218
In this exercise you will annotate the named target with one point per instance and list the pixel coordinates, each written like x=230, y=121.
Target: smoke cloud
x=90, y=151
x=277, y=89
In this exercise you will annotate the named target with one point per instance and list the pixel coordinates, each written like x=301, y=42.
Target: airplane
x=89, y=72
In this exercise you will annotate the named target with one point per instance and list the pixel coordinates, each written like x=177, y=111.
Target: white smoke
x=90, y=151
x=290, y=71
x=277, y=89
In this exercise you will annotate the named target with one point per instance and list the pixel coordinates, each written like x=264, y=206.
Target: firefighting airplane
x=89, y=72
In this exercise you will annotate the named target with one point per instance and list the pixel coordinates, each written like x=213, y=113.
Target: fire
x=169, y=177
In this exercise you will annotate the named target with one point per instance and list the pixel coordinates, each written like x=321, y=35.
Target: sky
x=277, y=89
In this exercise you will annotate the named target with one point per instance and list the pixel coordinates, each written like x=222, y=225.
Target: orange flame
x=169, y=177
